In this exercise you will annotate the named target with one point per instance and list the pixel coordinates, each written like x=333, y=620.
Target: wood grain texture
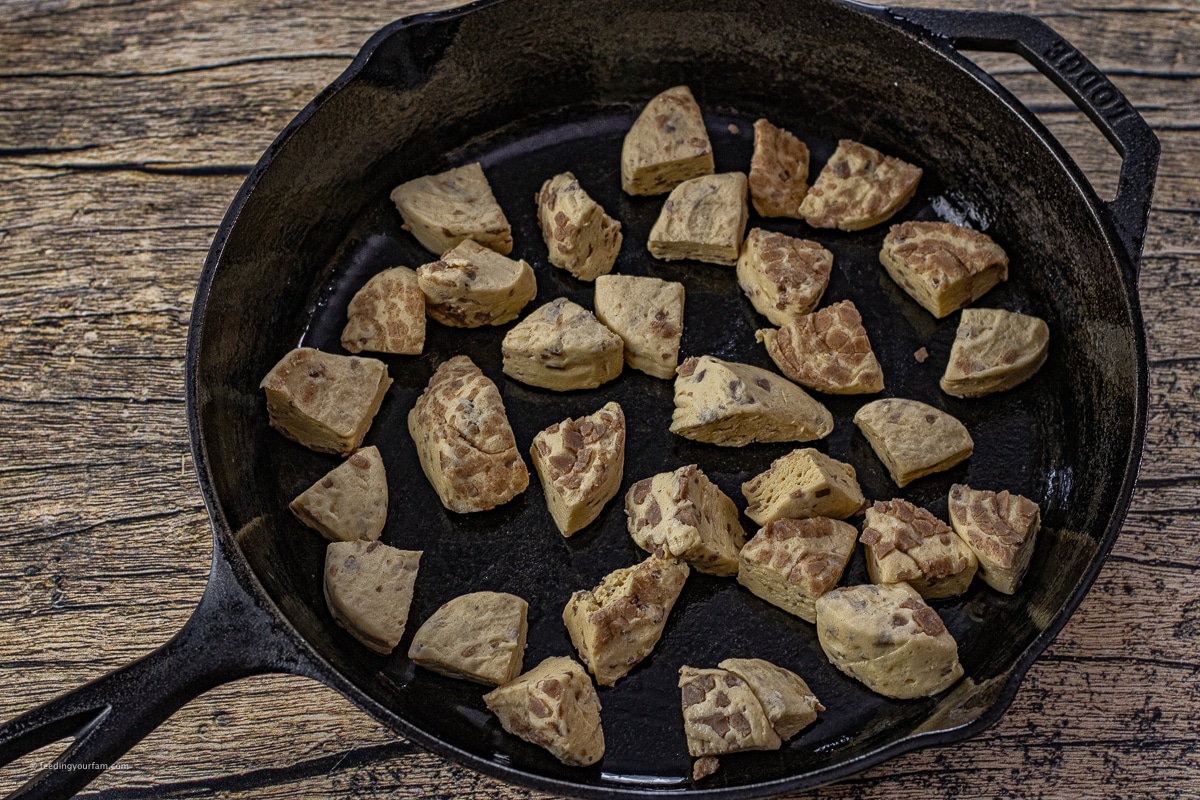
x=125, y=130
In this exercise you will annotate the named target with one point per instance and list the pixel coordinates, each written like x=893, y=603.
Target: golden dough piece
x=942, y=266
x=445, y=209
x=477, y=637
x=788, y=702
x=994, y=350
x=859, y=187
x=647, y=313
x=580, y=462
x=907, y=544
x=791, y=562
x=350, y=502
x=827, y=351
x=369, y=588
x=582, y=239
x=562, y=346
x=554, y=706
x=721, y=714
x=703, y=219
x=471, y=286
x=804, y=483
x=616, y=625
x=682, y=514
x=732, y=404
x=387, y=315
x=324, y=401
x=1000, y=528
x=913, y=439
x=886, y=637
x=666, y=146
x=783, y=276
x=464, y=441
x=778, y=171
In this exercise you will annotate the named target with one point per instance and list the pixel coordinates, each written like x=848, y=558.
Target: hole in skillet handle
x=1108, y=109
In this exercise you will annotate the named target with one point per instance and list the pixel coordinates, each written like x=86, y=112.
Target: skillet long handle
x=1081, y=81
x=229, y=636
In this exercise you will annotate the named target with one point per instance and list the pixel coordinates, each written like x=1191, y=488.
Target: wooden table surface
x=126, y=127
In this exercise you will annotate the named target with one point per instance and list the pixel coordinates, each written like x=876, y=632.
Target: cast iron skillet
x=530, y=89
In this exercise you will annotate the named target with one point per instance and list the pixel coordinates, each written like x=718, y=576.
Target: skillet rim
x=317, y=667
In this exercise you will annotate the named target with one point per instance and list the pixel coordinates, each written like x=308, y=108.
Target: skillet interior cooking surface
x=516, y=547
x=318, y=224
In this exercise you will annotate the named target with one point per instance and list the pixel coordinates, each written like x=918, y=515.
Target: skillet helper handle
x=228, y=636
x=1087, y=87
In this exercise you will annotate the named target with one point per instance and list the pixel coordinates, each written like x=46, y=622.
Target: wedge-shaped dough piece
x=804, y=483
x=859, y=187
x=1000, y=528
x=778, y=171
x=582, y=239
x=471, y=286
x=721, y=714
x=913, y=439
x=730, y=404
x=554, y=706
x=791, y=562
x=324, y=401
x=666, y=146
x=942, y=266
x=477, y=637
x=647, y=313
x=785, y=697
x=907, y=544
x=783, y=276
x=616, y=625
x=886, y=637
x=387, y=315
x=464, y=441
x=580, y=462
x=827, y=351
x=562, y=346
x=703, y=219
x=350, y=502
x=368, y=588
x=683, y=514
x=994, y=350
x=445, y=209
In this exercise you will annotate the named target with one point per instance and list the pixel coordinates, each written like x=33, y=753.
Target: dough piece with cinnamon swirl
x=616, y=625
x=704, y=219
x=350, y=502
x=682, y=514
x=471, y=286
x=994, y=350
x=581, y=238
x=804, y=483
x=913, y=439
x=562, y=346
x=387, y=315
x=907, y=543
x=888, y=638
x=1000, y=528
x=942, y=266
x=580, y=462
x=778, y=171
x=464, y=442
x=368, y=589
x=667, y=145
x=554, y=706
x=783, y=276
x=444, y=209
x=647, y=313
x=859, y=187
x=827, y=351
x=791, y=562
x=731, y=404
